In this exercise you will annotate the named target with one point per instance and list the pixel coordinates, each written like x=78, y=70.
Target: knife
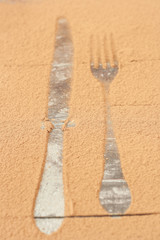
x=49, y=205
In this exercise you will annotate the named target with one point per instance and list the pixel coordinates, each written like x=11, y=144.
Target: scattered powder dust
x=48, y=125
x=27, y=31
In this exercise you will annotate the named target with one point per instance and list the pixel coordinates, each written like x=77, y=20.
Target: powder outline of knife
x=50, y=198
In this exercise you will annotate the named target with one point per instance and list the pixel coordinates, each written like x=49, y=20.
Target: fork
x=114, y=196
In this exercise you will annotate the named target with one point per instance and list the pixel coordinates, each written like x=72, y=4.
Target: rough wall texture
x=27, y=31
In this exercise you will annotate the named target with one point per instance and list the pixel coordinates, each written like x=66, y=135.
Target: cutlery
x=49, y=205
x=114, y=196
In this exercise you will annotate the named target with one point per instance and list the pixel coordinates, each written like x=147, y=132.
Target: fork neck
x=106, y=85
x=107, y=88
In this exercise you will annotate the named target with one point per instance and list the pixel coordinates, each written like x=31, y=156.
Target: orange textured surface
x=26, y=52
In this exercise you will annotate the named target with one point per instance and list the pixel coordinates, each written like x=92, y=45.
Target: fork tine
x=106, y=52
x=113, y=49
x=91, y=52
x=99, y=55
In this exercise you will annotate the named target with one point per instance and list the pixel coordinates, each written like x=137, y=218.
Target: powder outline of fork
x=114, y=196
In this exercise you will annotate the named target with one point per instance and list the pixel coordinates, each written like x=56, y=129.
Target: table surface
x=27, y=33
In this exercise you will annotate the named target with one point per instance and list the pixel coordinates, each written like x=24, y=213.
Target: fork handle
x=114, y=195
